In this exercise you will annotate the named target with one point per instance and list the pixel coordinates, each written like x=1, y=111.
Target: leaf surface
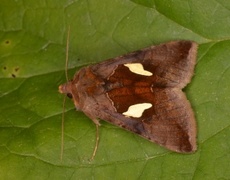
x=32, y=62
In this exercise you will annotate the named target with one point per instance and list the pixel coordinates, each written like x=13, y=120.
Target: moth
x=142, y=92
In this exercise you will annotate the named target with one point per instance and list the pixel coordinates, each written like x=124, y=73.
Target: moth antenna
x=67, y=55
x=64, y=100
x=97, y=141
x=62, y=129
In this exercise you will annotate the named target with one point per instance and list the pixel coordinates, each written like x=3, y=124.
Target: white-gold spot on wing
x=137, y=110
x=137, y=68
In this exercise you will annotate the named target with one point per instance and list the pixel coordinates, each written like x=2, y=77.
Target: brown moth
x=142, y=92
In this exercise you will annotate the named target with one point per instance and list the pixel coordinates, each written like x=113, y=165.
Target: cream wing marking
x=137, y=68
x=137, y=110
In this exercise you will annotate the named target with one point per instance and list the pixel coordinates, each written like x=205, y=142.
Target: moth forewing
x=151, y=78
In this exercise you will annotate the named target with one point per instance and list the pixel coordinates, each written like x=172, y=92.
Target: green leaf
x=32, y=62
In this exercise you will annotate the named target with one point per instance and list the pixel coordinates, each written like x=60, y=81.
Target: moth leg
x=97, y=142
x=93, y=118
x=97, y=123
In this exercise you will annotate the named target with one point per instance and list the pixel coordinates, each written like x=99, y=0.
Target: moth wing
x=169, y=122
x=172, y=63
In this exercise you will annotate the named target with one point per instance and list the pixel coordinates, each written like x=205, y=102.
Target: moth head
x=66, y=89
x=70, y=91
